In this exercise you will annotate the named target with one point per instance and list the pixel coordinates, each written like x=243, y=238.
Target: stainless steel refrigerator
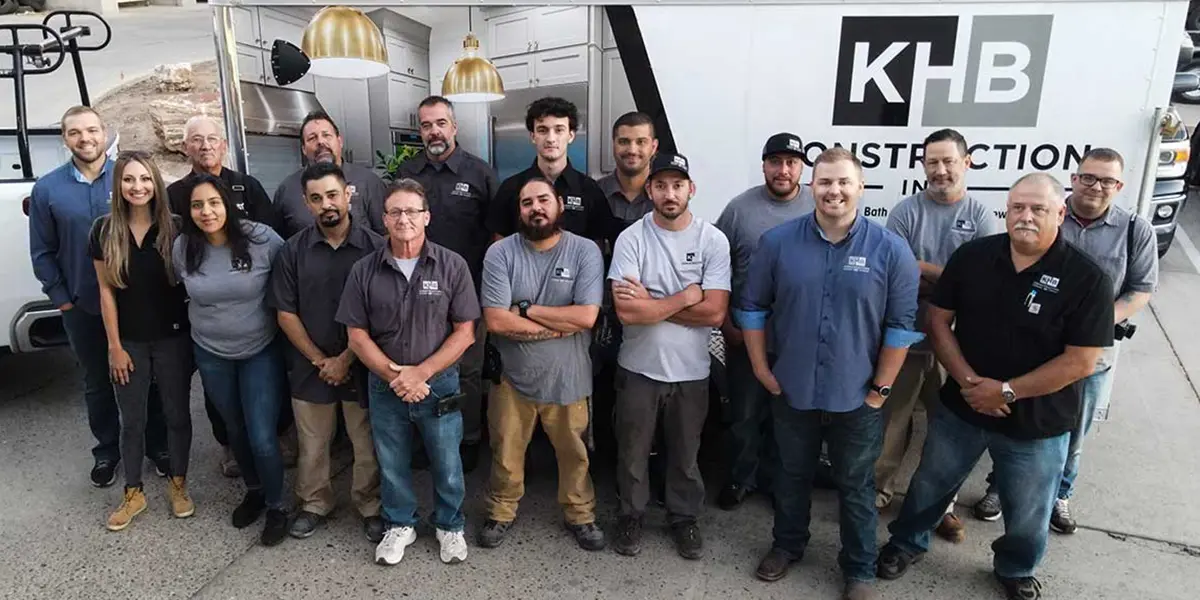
x=512, y=151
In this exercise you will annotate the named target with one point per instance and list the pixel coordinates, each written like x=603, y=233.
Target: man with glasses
x=1124, y=246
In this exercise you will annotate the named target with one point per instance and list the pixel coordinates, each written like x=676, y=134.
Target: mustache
x=1026, y=227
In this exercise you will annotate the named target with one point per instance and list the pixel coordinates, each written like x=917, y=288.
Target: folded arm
x=710, y=312
x=506, y=323
x=566, y=319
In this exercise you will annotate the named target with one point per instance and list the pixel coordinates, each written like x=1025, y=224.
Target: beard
x=437, y=147
x=331, y=218
x=537, y=233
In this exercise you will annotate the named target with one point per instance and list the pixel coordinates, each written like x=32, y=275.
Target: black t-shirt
x=585, y=209
x=149, y=308
x=246, y=193
x=1008, y=324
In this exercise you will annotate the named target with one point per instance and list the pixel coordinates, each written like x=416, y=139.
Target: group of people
x=341, y=291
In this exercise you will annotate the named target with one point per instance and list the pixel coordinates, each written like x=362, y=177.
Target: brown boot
x=952, y=528
x=132, y=506
x=181, y=504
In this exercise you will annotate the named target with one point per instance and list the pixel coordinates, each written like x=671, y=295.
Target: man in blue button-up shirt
x=62, y=207
x=841, y=292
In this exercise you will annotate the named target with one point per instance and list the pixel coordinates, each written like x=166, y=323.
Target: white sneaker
x=391, y=549
x=454, y=546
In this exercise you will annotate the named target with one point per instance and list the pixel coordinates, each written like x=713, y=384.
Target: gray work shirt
x=367, y=195
x=554, y=371
x=622, y=209
x=752, y=213
x=409, y=319
x=460, y=190
x=933, y=231
x=307, y=280
x=666, y=262
x=227, y=304
x=1104, y=241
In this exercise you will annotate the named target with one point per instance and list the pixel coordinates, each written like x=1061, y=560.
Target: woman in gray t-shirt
x=225, y=265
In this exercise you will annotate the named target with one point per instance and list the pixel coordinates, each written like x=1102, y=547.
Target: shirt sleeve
x=589, y=277
x=502, y=210
x=261, y=207
x=989, y=223
x=497, y=288
x=753, y=304
x=1090, y=324
x=897, y=220
x=373, y=200
x=464, y=304
x=717, y=269
x=43, y=247
x=281, y=295
x=280, y=208
x=900, y=314
x=352, y=308
x=625, y=261
x=602, y=225
x=1142, y=273
x=178, y=261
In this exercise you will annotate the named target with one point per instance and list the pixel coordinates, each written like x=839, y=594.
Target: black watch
x=523, y=307
x=883, y=390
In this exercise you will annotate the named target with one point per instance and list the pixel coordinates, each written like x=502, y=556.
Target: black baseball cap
x=669, y=161
x=783, y=143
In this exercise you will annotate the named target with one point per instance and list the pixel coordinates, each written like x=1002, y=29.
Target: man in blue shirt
x=841, y=292
x=62, y=207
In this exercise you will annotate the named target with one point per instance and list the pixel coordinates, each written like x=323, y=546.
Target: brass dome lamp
x=472, y=78
x=342, y=42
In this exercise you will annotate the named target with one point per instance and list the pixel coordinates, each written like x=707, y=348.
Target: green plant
x=389, y=165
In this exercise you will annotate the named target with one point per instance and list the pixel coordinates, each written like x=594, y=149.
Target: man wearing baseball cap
x=781, y=197
x=670, y=282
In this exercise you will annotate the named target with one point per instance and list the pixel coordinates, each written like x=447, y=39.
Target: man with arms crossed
x=670, y=274
x=541, y=294
x=1031, y=313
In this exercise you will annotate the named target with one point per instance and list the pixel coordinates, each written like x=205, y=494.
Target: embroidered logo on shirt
x=562, y=272
x=429, y=288
x=461, y=189
x=573, y=203
x=350, y=189
x=857, y=264
x=692, y=258
x=964, y=225
x=241, y=206
x=1048, y=283
x=1035, y=308
x=239, y=264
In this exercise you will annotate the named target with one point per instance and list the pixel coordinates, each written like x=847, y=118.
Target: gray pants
x=684, y=407
x=168, y=362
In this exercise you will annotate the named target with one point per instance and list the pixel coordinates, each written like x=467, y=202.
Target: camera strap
x=1128, y=251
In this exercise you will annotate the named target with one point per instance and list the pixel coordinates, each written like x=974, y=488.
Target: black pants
x=684, y=408
x=168, y=363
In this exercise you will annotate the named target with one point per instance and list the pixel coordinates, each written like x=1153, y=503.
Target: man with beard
x=670, y=282
x=306, y=286
x=634, y=144
x=460, y=186
x=780, y=198
x=62, y=207
x=934, y=223
x=1031, y=314
x=541, y=294
x=1124, y=246
x=552, y=123
x=205, y=145
x=835, y=359
x=322, y=142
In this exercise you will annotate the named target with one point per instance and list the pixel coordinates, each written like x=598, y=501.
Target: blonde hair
x=115, y=238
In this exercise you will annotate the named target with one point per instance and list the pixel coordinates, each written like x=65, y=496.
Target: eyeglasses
x=411, y=213
x=1088, y=180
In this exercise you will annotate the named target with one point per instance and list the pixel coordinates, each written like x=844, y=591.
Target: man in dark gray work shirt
x=322, y=142
x=410, y=310
x=541, y=294
x=780, y=198
x=460, y=187
x=306, y=287
x=934, y=223
x=1125, y=248
x=634, y=144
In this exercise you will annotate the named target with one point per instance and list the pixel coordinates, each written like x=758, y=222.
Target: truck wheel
x=1192, y=97
x=8, y=7
x=37, y=5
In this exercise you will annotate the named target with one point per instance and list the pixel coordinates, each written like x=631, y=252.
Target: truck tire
x=1192, y=97
x=8, y=7
x=36, y=5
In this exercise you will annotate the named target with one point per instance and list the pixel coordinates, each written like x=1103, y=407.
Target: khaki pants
x=511, y=418
x=921, y=379
x=315, y=424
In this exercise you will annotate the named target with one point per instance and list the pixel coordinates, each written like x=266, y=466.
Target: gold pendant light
x=472, y=78
x=343, y=42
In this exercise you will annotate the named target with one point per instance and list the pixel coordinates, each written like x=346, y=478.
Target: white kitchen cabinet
x=607, y=39
x=255, y=30
x=245, y=26
x=616, y=100
x=539, y=69
x=404, y=94
x=348, y=103
x=540, y=29
x=511, y=34
x=419, y=63
x=276, y=25
x=250, y=64
x=515, y=71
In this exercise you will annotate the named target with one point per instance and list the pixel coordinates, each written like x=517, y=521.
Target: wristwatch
x=883, y=390
x=1009, y=395
x=523, y=307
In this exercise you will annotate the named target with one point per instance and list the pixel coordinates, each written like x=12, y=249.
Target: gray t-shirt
x=227, y=303
x=749, y=215
x=666, y=262
x=555, y=371
x=406, y=265
x=933, y=231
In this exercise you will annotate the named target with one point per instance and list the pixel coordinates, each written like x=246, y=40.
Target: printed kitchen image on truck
x=1026, y=83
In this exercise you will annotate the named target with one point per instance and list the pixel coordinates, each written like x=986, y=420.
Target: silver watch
x=1009, y=395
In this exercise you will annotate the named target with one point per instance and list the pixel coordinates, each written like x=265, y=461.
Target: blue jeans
x=89, y=344
x=854, y=439
x=248, y=394
x=391, y=426
x=753, y=459
x=1027, y=471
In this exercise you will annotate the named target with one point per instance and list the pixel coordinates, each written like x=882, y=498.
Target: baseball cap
x=669, y=161
x=785, y=143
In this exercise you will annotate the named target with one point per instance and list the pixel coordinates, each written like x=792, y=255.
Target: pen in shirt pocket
x=1029, y=298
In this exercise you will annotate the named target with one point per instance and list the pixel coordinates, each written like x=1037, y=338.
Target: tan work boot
x=177, y=494
x=132, y=506
x=952, y=528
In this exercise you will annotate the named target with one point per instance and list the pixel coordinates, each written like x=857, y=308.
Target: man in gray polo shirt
x=634, y=144
x=670, y=279
x=1125, y=248
x=934, y=223
x=322, y=142
x=780, y=198
x=541, y=294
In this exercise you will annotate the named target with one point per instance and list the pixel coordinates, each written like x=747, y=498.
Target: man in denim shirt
x=62, y=207
x=839, y=289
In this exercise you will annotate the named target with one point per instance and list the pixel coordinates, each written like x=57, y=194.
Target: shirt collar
x=1051, y=257
x=569, y=176
x=454, y=162
x=1110, y=216
x=78, y=175
x=423, y=257
x=356, y=237
x=859, y=223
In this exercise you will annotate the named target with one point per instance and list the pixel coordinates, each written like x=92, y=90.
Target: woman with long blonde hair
x=145, y=320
